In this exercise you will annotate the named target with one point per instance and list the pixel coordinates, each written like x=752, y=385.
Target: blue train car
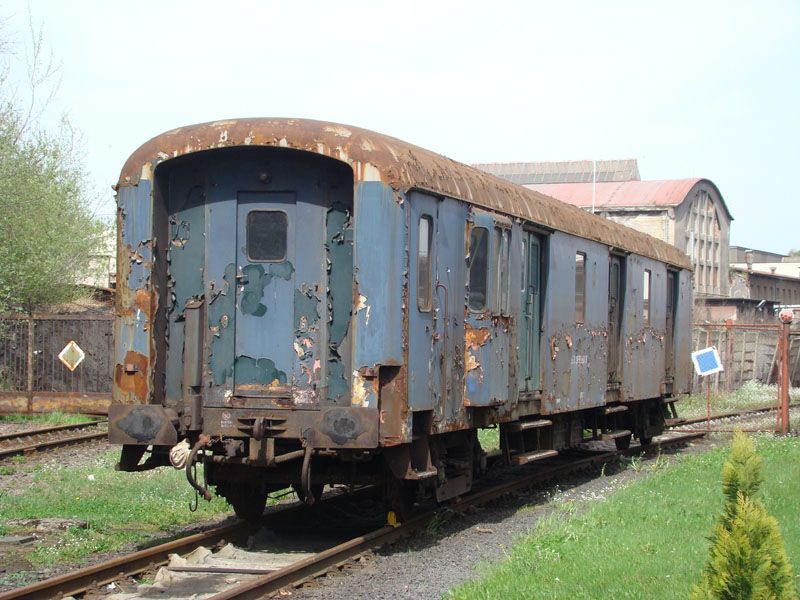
x=305, y=303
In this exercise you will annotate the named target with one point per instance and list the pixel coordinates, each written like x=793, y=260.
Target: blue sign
x=706, y=361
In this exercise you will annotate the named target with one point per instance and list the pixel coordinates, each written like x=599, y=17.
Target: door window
x=580, y=287
x=424, y=263
x=478, y=266
x=266, y=235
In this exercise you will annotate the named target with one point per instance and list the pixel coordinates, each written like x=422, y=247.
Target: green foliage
x=47, y=231
x=747, y=556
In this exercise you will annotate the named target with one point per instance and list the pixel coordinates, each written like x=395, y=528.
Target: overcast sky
x=705, y=89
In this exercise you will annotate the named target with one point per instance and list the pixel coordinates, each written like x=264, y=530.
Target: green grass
x=648, y=540
x=47, y=419
x=489, y=438
x=752, y=394
x=117, y=507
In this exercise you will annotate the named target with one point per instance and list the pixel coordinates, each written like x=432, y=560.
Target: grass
x=648, y=540
x=47, y=419
x=117, y=508
x=751, y=394
x=489, y=438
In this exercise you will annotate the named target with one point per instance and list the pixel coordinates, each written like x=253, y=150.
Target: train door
x=530, y=325
x=616, y=294
x=264, y=316
x=424, y=389
x=669, y=343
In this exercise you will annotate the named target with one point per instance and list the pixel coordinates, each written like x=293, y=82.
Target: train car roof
x=403, y=166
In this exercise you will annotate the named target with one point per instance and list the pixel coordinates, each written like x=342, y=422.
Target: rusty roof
x=625, y=194
x=403, y=166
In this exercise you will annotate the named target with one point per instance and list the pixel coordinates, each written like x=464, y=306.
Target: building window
x=646, y=297
x=580, y=287
x=478, y=267
x=502, y=241
x=267, y=232
x=424, y=263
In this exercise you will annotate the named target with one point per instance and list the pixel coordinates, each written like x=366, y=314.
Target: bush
x=747, y=559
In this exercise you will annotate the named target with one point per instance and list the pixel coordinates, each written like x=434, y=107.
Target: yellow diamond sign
x=71, y=355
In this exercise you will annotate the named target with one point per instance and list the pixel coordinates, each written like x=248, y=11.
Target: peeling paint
x=360, y=395
x=257, y=371
x=222, y=341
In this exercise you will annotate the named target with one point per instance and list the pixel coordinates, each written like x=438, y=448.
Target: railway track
x=48, y=438
x=672, y=423
x=257, y=580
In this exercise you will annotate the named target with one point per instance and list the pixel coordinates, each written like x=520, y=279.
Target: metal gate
x=33, y=379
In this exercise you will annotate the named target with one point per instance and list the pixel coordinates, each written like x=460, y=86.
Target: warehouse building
x=688, y=213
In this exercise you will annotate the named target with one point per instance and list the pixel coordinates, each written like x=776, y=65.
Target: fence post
x=786, y=318
x=29, y=382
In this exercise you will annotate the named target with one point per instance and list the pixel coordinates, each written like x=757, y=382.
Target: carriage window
x=580, y=287
x=266, y=235
x=478, y=264
x=424, y=263
x=646, y=297
x=502, y=240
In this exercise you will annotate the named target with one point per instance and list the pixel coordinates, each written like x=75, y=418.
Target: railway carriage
x=305, y=303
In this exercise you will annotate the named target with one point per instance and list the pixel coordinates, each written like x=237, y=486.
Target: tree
x=747, y=559
x=48, y=233
x=794, y=252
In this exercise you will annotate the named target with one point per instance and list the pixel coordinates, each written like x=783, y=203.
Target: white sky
x=707, y=89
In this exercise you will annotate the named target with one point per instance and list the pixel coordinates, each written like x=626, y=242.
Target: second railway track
x=48, y=438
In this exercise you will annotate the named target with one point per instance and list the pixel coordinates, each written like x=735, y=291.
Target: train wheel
x=623, y=443
x=248, y=502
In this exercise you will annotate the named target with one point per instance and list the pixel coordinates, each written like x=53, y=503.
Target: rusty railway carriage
x=304, y=303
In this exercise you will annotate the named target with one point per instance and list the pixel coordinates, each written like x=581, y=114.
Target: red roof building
x=688, y=213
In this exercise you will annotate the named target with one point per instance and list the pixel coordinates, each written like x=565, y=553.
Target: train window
x=478, y=266
x=424, y=263
x=580, y=287
x=646, y=297
x=266, y=235
x=502, y=243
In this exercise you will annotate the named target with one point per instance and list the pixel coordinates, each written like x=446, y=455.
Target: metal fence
x=33, y=379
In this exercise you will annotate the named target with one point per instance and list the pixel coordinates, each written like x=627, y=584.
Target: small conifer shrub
x=747, y=559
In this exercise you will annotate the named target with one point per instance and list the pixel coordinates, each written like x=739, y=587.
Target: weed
x=438, y=521
x=7, y=470
x=635, y=463
x=660, y=462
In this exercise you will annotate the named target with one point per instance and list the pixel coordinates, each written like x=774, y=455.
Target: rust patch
x=131, y=378
x=554, y=349
x=475, y=337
